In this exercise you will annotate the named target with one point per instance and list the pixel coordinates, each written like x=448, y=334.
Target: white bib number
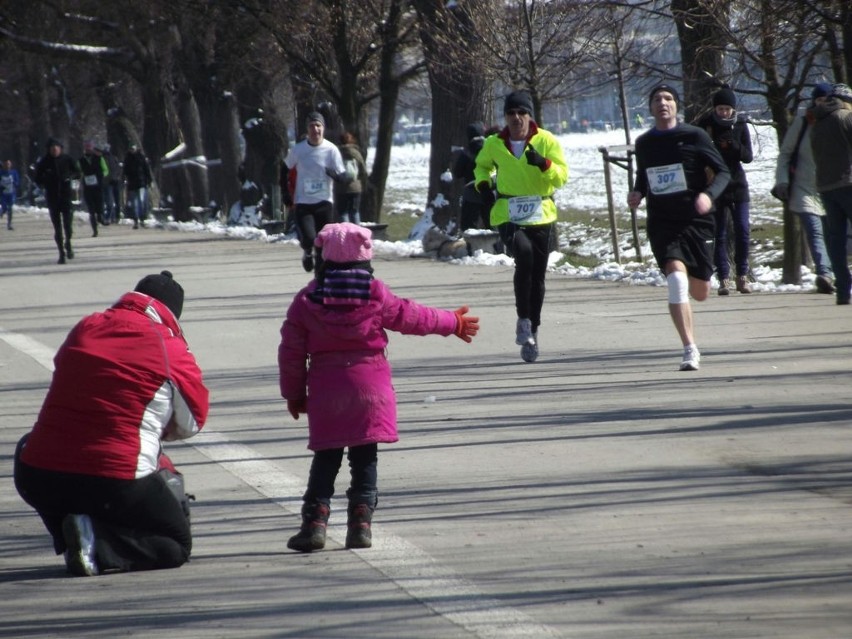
x=317, y=188
x=90, y=180
x=526, y=209
x=7, y=185
x=664, y=180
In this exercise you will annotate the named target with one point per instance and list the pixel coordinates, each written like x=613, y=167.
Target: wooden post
x=611, y=205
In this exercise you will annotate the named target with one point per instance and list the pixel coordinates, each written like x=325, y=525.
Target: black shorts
x=689, y=241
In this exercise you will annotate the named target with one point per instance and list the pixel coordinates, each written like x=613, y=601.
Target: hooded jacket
x=335, y=354
x=803, y=195
x=831, y=141
x=54, y=175
x=733, y=141
x=124, y=380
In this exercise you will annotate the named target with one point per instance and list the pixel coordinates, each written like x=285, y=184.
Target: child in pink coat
x=333, y=367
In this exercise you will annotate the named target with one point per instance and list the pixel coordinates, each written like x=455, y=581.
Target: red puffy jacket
x=124, y=380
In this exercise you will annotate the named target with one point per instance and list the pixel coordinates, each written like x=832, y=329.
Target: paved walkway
x=598, y=493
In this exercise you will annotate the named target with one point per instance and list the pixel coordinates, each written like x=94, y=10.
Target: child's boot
x=311, y=535
x=358, y=533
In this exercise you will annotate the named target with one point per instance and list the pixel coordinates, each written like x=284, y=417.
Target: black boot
x=358, y=533
x=311, y=535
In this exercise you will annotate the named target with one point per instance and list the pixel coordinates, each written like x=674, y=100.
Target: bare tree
x=700, y=26
x=349, y=55
x=458, y=82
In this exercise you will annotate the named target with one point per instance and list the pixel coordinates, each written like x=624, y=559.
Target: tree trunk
x=458, y=91
x=702, y=43
x=373, y=199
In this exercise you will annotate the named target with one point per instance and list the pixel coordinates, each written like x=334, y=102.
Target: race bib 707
x=525, y=209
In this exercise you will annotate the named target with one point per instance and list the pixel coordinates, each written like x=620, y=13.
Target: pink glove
x=466, y=326
x=296, y=406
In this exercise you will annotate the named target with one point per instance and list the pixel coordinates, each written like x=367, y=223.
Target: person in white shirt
x=317, y=164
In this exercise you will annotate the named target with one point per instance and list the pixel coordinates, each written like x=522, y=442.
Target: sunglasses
x=516, y=112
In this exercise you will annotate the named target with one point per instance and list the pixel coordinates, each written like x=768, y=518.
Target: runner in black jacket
x=54, y=173
x=680, y=173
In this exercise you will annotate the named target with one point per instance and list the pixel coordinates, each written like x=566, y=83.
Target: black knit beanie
x=663, y=87
x=475, y=130
x=725, y=96
x=164, y=288
x=315, y=116
x=518, y=100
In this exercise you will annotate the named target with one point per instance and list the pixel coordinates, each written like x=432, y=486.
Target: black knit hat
x=725, y=96
x=518, y=100
x=164, y=288
x=53, y=142
x=315, y=116
x=663, y=87
x=475, y=130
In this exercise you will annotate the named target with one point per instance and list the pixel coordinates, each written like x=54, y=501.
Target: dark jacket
x=690, y=149
x=733, y=142
x=54, y=175
x=831, y=141
x=137, y=173
x=94, y=169
x=114, y=167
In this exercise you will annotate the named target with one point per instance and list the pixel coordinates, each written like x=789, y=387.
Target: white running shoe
x=79, y=535
x=523, y=332
x=691, y=358
x=529, y=351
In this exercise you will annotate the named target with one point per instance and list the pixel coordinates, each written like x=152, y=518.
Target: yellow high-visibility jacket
x=517, y=177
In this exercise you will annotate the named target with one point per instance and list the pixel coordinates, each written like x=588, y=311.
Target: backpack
x=173, y=479
x=351, y=168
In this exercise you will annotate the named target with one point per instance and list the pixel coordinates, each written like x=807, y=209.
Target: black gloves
x=535, y=158
x=341, y=178
x=486, y=194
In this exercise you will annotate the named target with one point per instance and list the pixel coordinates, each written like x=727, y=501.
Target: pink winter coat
x=337, y=353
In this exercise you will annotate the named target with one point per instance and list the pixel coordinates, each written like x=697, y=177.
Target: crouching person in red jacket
x=123, y=382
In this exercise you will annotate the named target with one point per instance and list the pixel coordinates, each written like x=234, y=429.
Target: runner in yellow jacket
x=529, y=166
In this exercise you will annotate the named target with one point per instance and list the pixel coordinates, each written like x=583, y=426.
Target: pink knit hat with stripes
x=345, y=242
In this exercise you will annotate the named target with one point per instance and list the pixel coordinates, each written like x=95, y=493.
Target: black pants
x=138, y=523
x=94, y=198
x=363, y=468
x=310, y=218
x=62, y=219
x=531, y=249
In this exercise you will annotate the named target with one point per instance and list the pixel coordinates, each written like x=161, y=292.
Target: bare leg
x=681, y=314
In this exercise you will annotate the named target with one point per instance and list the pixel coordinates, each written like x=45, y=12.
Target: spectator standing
x=348, y=196
x=333, y=366
x=672, y=160
x=10, y=182
x=316, y=164
x=831, y=142
x=731, y=137
x=473, y=216
x=246, y=211
x=795, y=183
x=137, y=177
x=124, y=382
x=54, y=174
x=95, y=171
x=112, y=187
x=530, y=166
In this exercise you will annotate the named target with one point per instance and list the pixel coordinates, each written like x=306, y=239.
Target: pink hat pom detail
x=345, y=242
